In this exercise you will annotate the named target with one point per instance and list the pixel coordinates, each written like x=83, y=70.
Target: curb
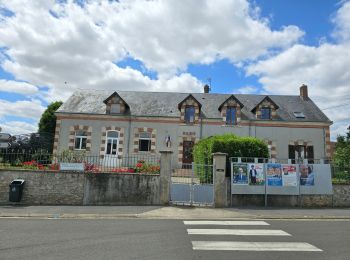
x=176, y=217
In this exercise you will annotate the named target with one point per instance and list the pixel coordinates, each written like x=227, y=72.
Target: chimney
x=303, y=92
x=206, y=88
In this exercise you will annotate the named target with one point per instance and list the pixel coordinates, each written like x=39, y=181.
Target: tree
x=342, y=150
x=47, y=125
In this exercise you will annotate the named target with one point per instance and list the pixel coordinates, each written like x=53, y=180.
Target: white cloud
x=323, y=68
x=81, y=45
x=27, y=109
x=18, y=87
x=247, y=90
x=18, y=127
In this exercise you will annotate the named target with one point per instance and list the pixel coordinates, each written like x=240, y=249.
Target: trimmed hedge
x=231, y=144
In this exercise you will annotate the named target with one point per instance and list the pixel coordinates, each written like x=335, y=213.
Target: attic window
x=299, y=114
x=115, y=108
x=265, y=113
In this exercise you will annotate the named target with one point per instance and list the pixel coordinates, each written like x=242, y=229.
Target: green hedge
x=231, y=144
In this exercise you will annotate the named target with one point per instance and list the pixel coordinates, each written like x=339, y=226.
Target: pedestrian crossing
x=239, y=232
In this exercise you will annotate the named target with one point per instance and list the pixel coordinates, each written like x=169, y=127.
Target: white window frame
x=79, y=138
x=147, y=139
x=114, y=140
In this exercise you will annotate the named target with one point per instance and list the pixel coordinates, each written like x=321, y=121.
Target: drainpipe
x=250, y=128
x=201, y=128
x=129, y=132
x=324, y=143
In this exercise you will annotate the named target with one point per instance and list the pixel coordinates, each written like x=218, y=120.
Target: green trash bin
x=16, y=190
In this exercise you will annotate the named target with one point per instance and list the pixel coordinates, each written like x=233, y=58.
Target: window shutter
x=291, y=151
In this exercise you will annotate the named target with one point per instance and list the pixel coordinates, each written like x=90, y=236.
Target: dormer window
x=230, y=115
x=189, y=114
x=266, y=109
x=230, y=111
x=115, y=108
x=115, y=104
x=190, y=110
x=266, y=113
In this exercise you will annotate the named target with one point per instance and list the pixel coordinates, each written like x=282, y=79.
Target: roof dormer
x=265, y=109
x=190, y=110
x=230, y=110
x=115, y=104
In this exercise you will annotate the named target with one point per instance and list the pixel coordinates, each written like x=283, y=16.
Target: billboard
x=289, y=175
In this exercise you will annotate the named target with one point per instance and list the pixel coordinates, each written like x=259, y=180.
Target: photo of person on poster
x=256, y=174
x=240, y=174
x=307, y=175
x=252, y=174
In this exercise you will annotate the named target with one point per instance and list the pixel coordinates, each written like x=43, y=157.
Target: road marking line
x=238, y=232
x=253, y=246
x=228, y=223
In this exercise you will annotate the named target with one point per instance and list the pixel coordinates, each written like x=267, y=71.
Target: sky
x=49, y=49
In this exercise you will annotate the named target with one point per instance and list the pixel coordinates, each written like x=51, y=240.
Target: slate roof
x=165, y=104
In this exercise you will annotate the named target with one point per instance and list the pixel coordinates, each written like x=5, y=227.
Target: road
x=170, y=239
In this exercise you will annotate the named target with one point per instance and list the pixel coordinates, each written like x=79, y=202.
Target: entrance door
x=111, y=149
x=187, y=152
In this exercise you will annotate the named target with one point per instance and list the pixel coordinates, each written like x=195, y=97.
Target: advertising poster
x=256, y=174
x=289, y=175
x=274, y=174
x=307, y=175
x=240, y=175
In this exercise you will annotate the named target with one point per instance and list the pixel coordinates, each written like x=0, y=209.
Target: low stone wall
x=44, y=188
x=66, y=188
x=307, y=201
x=341, y=195
x=339, y=198
x=121, y=189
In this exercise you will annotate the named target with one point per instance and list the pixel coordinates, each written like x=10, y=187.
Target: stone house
x=123, y=123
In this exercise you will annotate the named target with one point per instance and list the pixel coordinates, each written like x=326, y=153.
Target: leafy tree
x=47, y=123
x=342, y=150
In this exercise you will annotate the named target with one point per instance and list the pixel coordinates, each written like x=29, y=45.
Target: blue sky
x=260, y=46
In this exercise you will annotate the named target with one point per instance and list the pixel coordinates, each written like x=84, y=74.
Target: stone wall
x=341, y=195
x=121, y=189
x=66, y=188
x=44, y=188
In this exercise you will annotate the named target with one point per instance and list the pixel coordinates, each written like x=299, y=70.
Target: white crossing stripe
x=253, y=246
x=227, y=223
x=238, y=232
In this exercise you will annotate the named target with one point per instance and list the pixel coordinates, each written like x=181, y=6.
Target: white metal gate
x=192, y=184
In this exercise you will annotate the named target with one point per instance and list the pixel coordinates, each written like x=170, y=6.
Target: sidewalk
x=160, y=212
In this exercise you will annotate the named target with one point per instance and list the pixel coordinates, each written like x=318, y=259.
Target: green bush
x=231, y=144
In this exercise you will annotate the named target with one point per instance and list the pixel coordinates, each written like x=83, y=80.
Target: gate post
x=219, y=179
x=165, y=177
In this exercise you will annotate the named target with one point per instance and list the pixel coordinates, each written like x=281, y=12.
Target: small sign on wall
x=76, y=167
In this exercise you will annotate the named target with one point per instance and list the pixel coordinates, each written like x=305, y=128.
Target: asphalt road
x=166, y=239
